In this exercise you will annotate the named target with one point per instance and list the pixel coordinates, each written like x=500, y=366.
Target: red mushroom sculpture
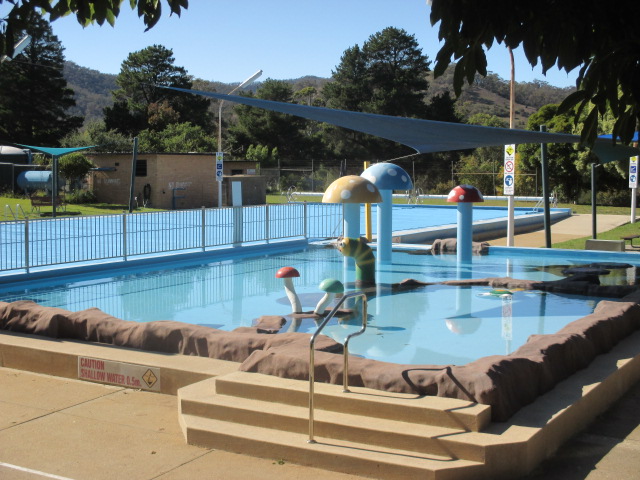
x=288, y=274
x=465, y=196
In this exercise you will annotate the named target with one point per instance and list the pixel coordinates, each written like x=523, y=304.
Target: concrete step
x=203, y=401
x=330, y=454
x=415, y=409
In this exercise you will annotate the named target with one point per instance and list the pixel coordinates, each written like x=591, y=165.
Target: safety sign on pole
x=219, y=162
x=633, y=185
x=509, y=169
x=633, y=172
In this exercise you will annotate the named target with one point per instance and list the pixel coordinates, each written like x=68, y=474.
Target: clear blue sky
x=228, y=40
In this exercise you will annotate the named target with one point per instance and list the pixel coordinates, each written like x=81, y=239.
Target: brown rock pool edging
x=506, y=382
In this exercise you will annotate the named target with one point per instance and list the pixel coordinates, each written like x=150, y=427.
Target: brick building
x=173, y=180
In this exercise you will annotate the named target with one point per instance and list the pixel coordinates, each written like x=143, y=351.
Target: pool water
x=435, y=324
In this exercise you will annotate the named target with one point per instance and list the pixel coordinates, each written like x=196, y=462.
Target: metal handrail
x=345, y=372
x=413, y=196
x=291, y=194
x=16, y=214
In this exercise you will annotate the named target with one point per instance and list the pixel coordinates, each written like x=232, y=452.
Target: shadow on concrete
x=615, y=435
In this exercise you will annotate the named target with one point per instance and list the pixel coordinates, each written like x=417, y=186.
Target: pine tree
x=34, y=97
x=138, y=98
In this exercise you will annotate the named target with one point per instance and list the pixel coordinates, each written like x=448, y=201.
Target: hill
x=488, y=94
x=92, y=90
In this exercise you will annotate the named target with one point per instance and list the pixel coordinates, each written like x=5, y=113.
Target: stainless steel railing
x=345, y=370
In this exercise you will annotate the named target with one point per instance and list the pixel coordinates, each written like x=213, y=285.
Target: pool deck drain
x=509, y=449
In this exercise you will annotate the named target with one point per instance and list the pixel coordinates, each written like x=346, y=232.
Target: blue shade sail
x=424, y=136
x=54, y=151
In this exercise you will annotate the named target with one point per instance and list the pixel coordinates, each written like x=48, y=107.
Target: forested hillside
x=488, y=94
x=92, y=90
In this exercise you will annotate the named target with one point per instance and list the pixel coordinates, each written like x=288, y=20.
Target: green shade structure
x=56, y=153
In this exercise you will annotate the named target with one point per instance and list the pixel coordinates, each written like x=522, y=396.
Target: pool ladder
x=345, y=371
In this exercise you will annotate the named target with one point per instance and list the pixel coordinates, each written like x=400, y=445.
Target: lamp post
x=17, y=48
x=248, y=81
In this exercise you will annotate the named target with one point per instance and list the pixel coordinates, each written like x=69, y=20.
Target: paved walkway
x=56, y=428
x=576, y=226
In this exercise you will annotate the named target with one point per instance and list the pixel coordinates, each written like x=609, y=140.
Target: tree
x=307, y=96
x=176, y=138
x=256, y=126
x=139, y=103
x=387, y=76
x=95, y=133
x=86, y=12
x=600, y=38
x=563, y=158
x=74, y=167
x=482, y=167
x=34, y=98
x=262, y=155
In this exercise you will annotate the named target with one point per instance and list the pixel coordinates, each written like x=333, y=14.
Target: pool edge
x=530, y=436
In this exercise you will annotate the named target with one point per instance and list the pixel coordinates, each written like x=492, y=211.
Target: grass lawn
x=71, y=209
x=615, y=234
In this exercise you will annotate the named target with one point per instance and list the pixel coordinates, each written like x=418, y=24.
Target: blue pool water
x=431, y=325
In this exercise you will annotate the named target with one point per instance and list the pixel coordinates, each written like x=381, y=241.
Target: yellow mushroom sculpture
x=352, y=190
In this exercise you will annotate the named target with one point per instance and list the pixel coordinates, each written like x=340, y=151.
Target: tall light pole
x=512, y=109
x=17, y=48
x=220, y=154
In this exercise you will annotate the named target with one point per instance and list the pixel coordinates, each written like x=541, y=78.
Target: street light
x=17, y=48
x=248, y=81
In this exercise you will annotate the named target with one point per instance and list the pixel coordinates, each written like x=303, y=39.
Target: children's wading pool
x=435, y=324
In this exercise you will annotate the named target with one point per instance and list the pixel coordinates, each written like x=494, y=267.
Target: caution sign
x=509, y=169
x=633, y=172
x=129, y=375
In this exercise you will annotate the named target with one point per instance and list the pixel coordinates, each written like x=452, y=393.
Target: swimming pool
x=435, y=324
x=28, y=245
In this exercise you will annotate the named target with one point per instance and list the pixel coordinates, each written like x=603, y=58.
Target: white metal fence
x=28, y=243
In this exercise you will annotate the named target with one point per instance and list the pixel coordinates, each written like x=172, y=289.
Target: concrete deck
x=53, y=427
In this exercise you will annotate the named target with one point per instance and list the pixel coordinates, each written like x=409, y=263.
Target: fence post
x=26, y=244
x=204, y=233
x=124, y=236
x=306, y=220
x=238, y=225
x=266, y=223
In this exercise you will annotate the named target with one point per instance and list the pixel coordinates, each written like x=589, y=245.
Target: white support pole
x=510, y=220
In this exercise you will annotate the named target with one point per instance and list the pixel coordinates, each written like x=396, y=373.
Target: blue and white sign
x=509, y=169
x=633, y=172
x=219, y=165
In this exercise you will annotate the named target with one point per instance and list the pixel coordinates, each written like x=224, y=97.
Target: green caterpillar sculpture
x=358, y=249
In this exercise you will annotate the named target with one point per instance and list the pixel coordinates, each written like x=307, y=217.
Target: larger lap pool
x=435, y=324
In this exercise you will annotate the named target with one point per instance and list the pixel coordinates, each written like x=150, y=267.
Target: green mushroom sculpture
x=331, y=287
